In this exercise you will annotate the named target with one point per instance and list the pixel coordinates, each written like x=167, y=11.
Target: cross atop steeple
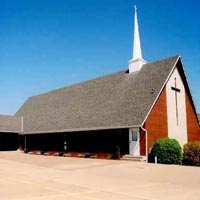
x=135, y=64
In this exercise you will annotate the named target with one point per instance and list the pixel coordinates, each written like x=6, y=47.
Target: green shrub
x=167, y=151
x=191, y=153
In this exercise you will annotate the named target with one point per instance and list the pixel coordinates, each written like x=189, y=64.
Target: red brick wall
x=142, y=143
x=156, y=123
x=192, y=122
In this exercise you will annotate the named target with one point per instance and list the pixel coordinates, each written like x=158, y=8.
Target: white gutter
x=146, y=142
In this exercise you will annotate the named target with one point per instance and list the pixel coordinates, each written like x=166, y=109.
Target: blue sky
x=48, y=44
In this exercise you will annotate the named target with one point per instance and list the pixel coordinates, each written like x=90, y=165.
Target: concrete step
x=134, y=158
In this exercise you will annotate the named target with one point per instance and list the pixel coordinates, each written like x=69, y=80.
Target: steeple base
x=135, y=65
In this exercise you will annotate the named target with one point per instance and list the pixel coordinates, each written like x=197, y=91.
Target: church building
x=128, y=110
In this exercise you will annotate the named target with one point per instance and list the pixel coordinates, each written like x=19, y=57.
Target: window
x=134, y=136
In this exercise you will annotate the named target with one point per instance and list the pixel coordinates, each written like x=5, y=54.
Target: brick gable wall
x=157, y=126
x=156, y=123
x=193, y=127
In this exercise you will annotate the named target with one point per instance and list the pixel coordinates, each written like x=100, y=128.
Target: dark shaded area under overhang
x=100, y=141
x=9, y=141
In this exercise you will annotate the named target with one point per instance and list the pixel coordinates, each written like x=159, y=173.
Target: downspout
x=146, y=143
x=22, y=125
x=24, y=143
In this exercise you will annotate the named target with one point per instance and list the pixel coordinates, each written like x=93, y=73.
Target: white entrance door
x=134, y=142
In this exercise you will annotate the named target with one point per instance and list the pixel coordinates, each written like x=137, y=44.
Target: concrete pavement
x=36, y=177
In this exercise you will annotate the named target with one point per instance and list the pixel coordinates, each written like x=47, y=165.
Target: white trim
x=14, y=132
x=161, y=90
x=189, y=88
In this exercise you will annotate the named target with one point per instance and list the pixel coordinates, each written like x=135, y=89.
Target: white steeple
x=135, y=64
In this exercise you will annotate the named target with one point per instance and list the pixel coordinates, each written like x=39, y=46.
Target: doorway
x=134, y=142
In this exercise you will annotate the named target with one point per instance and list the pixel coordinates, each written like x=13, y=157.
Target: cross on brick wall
x=176, y=90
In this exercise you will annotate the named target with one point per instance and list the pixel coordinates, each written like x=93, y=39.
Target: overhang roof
x=10, y=124
x=118, y=100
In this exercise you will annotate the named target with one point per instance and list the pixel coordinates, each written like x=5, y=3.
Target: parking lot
x=36, y=177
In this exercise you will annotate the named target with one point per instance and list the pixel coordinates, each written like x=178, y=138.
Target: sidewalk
x=36, y=177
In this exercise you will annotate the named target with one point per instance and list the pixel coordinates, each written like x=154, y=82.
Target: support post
x=21, y=134
x=25, y=143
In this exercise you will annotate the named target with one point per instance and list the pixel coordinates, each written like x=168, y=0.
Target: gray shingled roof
x=10, y=124
x=117, y=100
